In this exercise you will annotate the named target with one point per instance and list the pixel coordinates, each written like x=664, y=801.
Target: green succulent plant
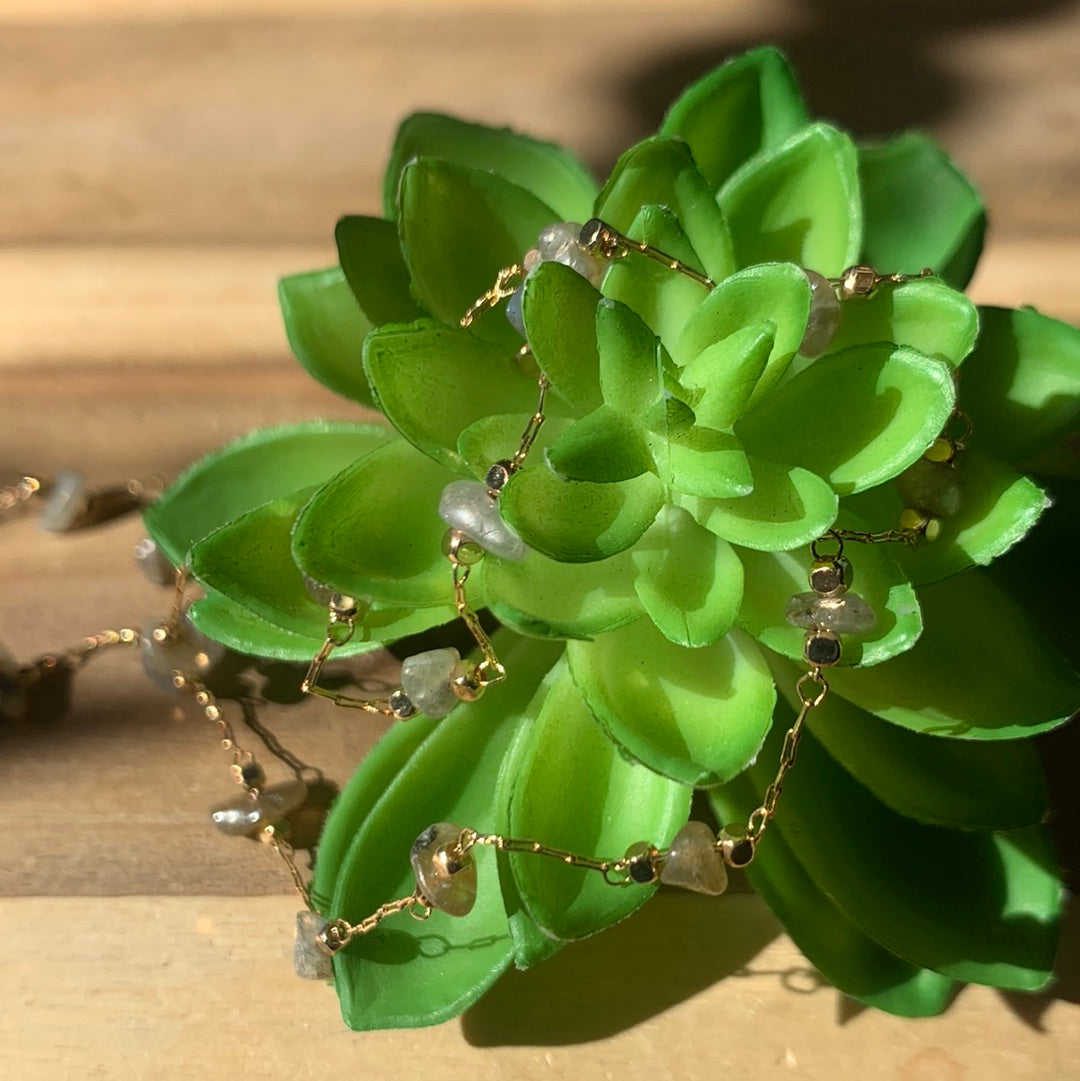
x=690, y=457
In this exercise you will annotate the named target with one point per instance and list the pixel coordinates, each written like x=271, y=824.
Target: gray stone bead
x=446, y=878
x=310, y=960
x=845, y=614
x=824, y=318
x=66, y=502
x=513, y=312
x=152, y=562
x=693, y=863
x=466, y=506
x=243, y=816
x=185, y=650
x=561, y=243
x=425, y=679
x=933, y=487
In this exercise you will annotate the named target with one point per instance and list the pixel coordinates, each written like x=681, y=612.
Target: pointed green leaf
x=920, y=210
x=662, y=298
x=558, y=307
x=788, y=506
x=998, y=509
x=798, y=203
x=250, y=562
x=778, y=293
x=432, y=381
x=688, y=580
x=578, y=793
x=925, y=315
x=540, y=597
x=662, y=172
x=699, y=461
x=459, y=228
x=326, y=330
x=578, y=521
x=407, y=973
x=696, y=715
x=370, y=255
x=1021, y=386
x=855, y=418
x=378, y=770
x=981, y=669
x=975, y=906
x=602, y=446
x=547, y=170
x=830, y=941
x=497, y=435
x=632, y=360
x=945, y=782
x=747, y=105
x=374, y=530
x=721, y=378
x=773, y=577
x=250, y=471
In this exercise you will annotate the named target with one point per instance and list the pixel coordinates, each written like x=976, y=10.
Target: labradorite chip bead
x=824, y=318
x=66, y=502
x=425, y=680
x=693, y=862
x=466, y=506
x=152, y=562
x=310, y=959
x=244, y=816
x=184, y=650
x=844, y=614
x=933, y=487
x=445, y=875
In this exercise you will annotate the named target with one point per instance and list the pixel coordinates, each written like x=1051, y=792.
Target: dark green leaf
x=749, y=104
x=326, y=330
x=632, y=360
x=698, y=716
x=252, y=470
x=574, y=790
x=1021, y=386
x=919, y=210
x=798, y=203
x=459, y=228
x=549, y=171
x=602, y=446
x=981, y=669
x=371, y=259
x=496, y=436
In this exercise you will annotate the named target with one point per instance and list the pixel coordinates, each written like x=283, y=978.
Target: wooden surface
x=160, y=164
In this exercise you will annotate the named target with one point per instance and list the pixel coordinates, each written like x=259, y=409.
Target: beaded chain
x=432, y=683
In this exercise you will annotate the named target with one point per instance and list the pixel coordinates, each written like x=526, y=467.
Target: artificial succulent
x=692, y=453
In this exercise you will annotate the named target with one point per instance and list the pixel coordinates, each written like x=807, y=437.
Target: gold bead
x=466, y=681
x=858, y=281
x=821, y=647
x=460, y=548
x=736, y=846
x=829, y=577
x=941, y=450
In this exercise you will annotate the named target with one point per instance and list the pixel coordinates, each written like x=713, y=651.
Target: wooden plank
x=176, y=988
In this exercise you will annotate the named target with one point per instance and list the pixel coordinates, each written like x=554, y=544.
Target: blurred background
x=162, y=162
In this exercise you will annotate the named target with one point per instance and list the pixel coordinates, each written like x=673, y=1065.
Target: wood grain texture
x=161, y=163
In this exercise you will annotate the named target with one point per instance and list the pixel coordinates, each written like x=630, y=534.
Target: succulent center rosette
x=698, y=440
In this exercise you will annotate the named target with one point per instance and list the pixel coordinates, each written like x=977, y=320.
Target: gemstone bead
x=401, y=705
x=310, y=960
x=425, y=679
x=152, y=562
x=466, y=506
x=693, y=863
x=934, y=487
x=642, y=869
x=184, y=650
x=66, y=502
x=844, y=614
x=561, y=243
x=244, y=816
x=497, y=476
x=824, y=318
x=513, y=312
x=445, y=875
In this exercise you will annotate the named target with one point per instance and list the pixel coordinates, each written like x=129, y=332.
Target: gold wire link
x=611, y=869
x=490, y=669
x=532, y=429
x=208, y=703
x=506, y=282
x=20, y=493
x=811, y=688
x=605, y=241
x=94, y=644
x=900, y=535
x=285, y=851
x=339, y=933
x=339, y=630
